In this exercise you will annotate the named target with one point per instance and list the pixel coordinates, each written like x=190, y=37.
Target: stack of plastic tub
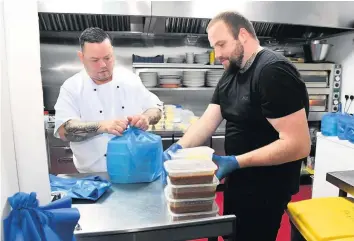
x=191, y=184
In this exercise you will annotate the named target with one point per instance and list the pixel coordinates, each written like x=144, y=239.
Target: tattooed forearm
x=77, y=131
x=154, y=115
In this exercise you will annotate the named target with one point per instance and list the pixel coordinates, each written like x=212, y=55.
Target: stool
x=322, y=219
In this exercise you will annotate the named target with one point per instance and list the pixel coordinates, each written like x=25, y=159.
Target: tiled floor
x=284, y=231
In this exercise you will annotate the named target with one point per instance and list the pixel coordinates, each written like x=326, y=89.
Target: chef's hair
x=93, y=35
x=235, y=21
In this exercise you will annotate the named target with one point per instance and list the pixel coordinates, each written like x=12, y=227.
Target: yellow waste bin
x=322, y=219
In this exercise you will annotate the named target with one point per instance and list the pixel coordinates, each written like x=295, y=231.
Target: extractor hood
x=275, y=20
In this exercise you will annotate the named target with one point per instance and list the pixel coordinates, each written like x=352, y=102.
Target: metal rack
x=331, y=92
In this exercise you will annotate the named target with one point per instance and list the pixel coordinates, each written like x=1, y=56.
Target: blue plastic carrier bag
x=27, y=221
x=134, y=157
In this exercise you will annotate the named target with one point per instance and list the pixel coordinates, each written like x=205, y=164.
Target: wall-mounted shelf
x=186, y=67
x=175, y=66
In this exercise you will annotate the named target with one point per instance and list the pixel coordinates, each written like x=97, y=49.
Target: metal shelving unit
x=175, y=66
x=144, y=67
x=331, y=90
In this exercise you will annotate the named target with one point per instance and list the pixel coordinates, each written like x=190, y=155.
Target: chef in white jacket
x=100, y=102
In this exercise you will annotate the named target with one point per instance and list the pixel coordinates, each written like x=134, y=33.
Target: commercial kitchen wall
x=60, y=61
x=23, y=154
x=343, y=52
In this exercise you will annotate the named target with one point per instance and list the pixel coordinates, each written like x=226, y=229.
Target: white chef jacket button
x=105, y=154
x=100, y=111
x=122, y=107
x=94, y=89
x=117, y=86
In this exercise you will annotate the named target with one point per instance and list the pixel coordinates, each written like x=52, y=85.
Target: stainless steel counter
x=344, y=180
x=139, y=212
x=60, y=155
x=177, y=132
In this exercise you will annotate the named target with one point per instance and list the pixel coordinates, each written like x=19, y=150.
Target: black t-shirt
x=271, y=88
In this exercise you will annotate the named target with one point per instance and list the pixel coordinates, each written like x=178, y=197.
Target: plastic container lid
x=215, y=182
x=202, y=152
x=177, y=168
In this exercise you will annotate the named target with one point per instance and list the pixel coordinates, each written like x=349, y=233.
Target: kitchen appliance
x=323, y=82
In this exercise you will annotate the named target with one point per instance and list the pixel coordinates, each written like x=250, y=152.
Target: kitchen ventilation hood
x=274, y=20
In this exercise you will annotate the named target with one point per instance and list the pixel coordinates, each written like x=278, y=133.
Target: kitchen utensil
x=319, y=50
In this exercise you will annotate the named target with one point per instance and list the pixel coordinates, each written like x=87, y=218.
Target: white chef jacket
x=81, y=98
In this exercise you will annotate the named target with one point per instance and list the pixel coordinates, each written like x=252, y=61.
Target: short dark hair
x=93, y=35
x=235, y=21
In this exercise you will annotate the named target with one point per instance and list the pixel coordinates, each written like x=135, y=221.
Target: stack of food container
x=191, y=184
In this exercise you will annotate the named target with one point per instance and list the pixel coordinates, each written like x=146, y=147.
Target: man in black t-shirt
x=265, y=104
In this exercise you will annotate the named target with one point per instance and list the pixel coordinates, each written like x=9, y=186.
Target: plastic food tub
x=191, y=216
x=193, y=191
x=188, y=172
x=188, y=205
x=195, y=153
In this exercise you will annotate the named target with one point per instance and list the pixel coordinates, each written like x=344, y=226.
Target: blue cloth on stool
x=91, y=187
x=28, y=221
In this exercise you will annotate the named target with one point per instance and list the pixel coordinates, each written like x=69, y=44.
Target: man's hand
x=139, y=121
x=115, y=127
x=226, y=165
x=166, y=156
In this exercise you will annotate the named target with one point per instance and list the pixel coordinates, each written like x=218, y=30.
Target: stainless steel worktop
x=177, y=132
x=344, y=180
x=139, y=212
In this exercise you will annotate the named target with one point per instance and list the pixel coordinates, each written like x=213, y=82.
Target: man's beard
x=236, y=59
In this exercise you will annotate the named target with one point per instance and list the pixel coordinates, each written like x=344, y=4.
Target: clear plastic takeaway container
x=195, y=153
x=188, y=172
x=179, y=206
x=192, y=216
x=193, y=191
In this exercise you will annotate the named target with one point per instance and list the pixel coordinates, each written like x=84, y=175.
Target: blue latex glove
x=172, y=149
x=166, y=156
x=226, y=165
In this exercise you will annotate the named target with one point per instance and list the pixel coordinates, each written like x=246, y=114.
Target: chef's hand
x=226, y=165
x=139, y=121
x=172, y=149
x=115, y=127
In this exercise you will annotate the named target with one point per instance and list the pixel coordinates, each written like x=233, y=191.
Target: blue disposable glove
x=226, y=165
x=172, y=149
x=167, y=156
